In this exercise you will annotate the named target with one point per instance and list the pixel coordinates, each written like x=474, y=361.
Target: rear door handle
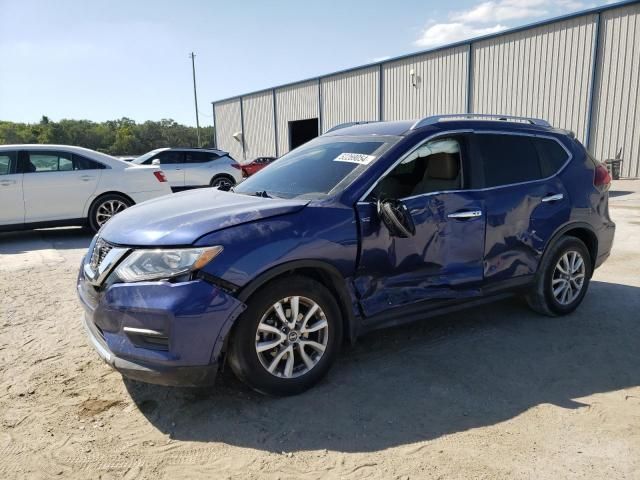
x=86, y=178
x=553, y=198
x=466, y=214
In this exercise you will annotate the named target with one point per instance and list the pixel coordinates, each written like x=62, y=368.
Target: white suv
x=194, y=167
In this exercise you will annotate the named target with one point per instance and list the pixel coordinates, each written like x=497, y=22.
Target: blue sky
x=105, y=59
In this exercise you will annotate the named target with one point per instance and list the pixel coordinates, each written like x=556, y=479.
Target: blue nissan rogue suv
x=369, y=225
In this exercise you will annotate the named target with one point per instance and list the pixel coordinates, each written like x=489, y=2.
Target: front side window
x=432, y=167
x=324, y=165
x=6, y=159
x=171, y=157
x=507, y=159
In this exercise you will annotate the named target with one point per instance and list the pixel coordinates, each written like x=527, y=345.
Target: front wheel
x=288, y=337
x=563, y=278
x=106, y=207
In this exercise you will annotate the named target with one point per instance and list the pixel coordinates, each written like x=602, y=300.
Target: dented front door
x=443, y=260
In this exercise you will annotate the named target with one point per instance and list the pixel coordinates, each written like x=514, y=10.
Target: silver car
x=194, y=167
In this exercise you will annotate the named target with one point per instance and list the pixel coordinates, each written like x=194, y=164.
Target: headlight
x=143, y=265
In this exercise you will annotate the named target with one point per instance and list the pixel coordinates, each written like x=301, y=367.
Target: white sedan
x=58, y=185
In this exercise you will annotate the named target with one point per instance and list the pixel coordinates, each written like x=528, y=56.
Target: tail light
x=160, y=176
x=601, y=178
x=236, y=165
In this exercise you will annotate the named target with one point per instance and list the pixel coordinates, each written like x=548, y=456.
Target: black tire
x=96, y=217
x=242, y=352
x=541, y=297
x=221, y=181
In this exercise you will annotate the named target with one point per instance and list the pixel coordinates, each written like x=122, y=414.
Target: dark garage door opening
x=301, y=131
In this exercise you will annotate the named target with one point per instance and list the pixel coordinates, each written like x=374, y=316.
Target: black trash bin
x=614, y=165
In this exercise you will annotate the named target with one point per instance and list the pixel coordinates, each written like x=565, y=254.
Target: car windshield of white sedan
x=314, y=169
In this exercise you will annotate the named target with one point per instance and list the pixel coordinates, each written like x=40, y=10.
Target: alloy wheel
x=108, y=209
x=292, y=337
x=568, y=277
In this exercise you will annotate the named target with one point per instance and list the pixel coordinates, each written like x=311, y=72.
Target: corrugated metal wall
x=295, y=102
x=228, y=122
x=349, y=97
x=440, y=85
x=542, y=72
x=260, y=139
x=616, y=116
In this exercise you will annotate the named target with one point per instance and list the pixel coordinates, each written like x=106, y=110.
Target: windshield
x=147, y=155
x=313, y=170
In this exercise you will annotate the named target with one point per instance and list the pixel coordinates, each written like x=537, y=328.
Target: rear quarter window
x=552, y=155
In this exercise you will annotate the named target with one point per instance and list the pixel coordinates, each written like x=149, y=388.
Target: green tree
x=117, y=137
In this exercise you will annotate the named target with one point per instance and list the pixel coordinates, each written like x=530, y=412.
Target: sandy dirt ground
x=496, y=392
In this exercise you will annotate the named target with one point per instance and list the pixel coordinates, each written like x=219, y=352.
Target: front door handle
x=466, y=214
x=553, y=198
x=6, y=183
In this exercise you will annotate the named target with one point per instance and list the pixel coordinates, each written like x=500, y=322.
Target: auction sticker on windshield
x=359, y=158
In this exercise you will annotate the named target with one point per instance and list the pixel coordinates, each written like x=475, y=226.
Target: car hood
x=182, y=218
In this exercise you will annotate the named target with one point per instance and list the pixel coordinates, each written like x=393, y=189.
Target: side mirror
x=396, y=217
x=155, y=161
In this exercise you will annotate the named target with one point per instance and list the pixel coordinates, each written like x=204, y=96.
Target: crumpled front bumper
x=159, y=332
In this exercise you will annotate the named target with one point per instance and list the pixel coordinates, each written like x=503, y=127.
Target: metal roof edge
x=469, y=41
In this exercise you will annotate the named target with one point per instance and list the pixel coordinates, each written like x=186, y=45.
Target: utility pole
x=195, y=95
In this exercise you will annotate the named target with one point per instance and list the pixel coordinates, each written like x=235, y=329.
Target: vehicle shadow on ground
x=619, y=193
x=31, y=240
x=422, y=381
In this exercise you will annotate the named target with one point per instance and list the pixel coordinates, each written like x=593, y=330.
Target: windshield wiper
x=263, y=194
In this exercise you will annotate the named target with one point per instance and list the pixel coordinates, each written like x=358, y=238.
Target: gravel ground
x=495, y=392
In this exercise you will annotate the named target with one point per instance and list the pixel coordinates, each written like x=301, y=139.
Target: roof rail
x=510, y=118
x=349, y=124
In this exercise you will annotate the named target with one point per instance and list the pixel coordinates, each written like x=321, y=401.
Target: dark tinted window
x=167, y=158
x=432, y=167
x=552, y=155
x=507, y=159
x=6, y=160
x=199, y=157
x=313, y=169
x=83, y=163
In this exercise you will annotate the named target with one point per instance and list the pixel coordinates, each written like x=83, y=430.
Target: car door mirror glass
x=396, y=217
x=155, y=161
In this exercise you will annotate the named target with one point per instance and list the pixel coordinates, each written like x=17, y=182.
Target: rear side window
x=200, y=157
x=6, y=160
x=508, y=159
x=552, y=155
x=83, y=163
x=49, y=162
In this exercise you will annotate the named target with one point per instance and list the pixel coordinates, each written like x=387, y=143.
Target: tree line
x=115, y=137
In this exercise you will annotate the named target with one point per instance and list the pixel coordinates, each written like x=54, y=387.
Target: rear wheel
x=106, y=207
x=563, y=278
x=288, y=337
x=222, y=182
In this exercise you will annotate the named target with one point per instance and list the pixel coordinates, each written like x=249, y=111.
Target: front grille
x=100, y=250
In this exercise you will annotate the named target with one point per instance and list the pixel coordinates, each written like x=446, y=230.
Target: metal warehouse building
x=581, y=72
